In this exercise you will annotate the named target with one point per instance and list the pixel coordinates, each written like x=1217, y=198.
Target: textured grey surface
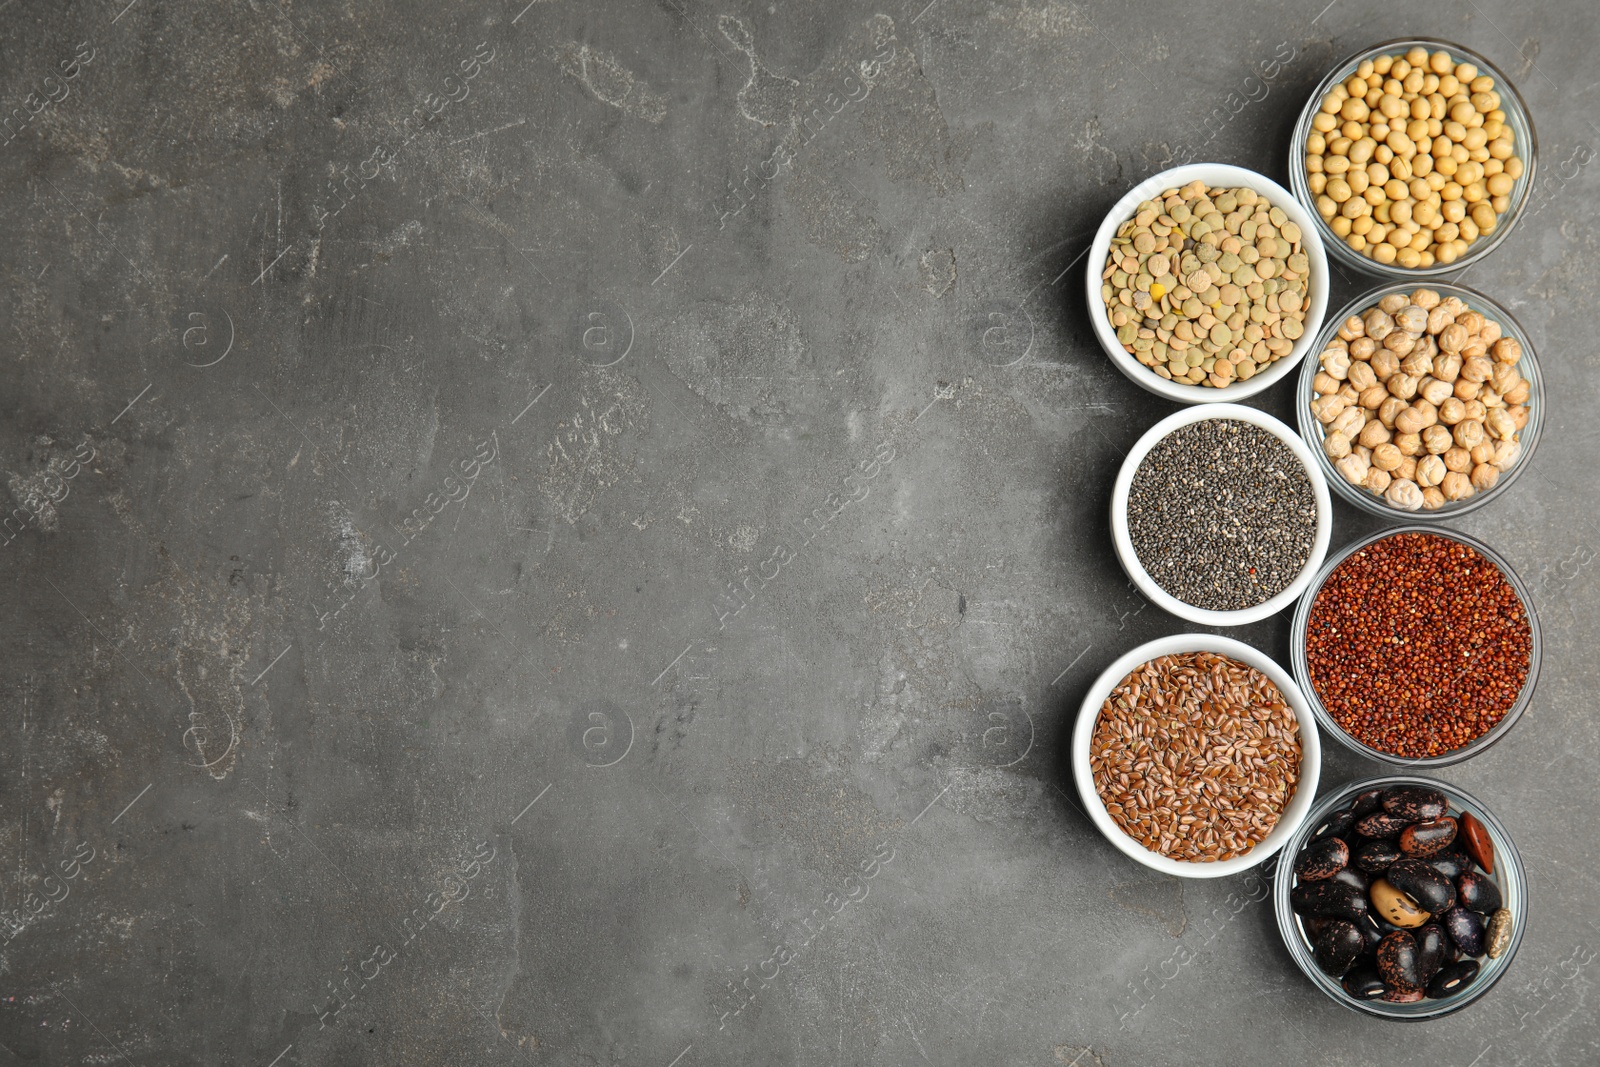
x=279, y=726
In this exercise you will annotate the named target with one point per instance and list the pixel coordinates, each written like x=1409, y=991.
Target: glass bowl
x=1373, y=503
x=1509, y=876
x=1517, y=117
x=1302, y=668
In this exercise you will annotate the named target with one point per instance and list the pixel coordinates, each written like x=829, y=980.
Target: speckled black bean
x=1434, y=950
x=1453, y=978
x=1414, y=803
x=1428, y=838
x=1363, y=983
x=1337, y=946
x=1381, y=824
x=1334, y=824
x=1465, y=929
x=1397, y=961
x=1432, y=890
x=1328, y=899
x=1322, y=859
x=1366, y=802
x=1372, y=929
x=1477, y=892
x=1374, y=857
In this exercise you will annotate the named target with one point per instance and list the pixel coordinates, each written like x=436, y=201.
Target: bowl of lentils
x=1221, y=515
x=1401, y=897
x=1418, y=646
x=1207, y=283
x=1419, y=400
x=1415, y=157
x=1196, y=755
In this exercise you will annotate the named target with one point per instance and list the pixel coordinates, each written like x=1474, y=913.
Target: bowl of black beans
x=1401, y=897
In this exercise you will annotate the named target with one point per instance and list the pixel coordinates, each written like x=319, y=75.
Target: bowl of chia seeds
x=1221, y=515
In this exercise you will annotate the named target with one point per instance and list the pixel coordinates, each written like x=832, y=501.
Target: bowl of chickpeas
x=1421, y=401
x=1416, y=158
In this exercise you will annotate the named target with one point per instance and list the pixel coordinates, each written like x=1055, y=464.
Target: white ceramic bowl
x=1310, y=754
x=1214, y=175
x=1124, y=544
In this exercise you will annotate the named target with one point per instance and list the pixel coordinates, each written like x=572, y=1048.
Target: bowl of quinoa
x=1417, y=646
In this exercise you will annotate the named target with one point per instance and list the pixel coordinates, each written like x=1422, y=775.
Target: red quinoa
x=1417, y=645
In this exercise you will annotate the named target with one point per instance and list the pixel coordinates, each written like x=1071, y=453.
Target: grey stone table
x=575, y=533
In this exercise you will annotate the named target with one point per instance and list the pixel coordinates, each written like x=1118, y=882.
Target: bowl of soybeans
x=1415, y=157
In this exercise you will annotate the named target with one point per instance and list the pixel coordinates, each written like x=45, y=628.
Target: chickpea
x=1409, y=421
x=1405, y=494
x=1351, y=422
x=1468, y=433
x=1361, y=376
x=1327, y=408
x=1386, y=457
x=1385, y=364
x=1506, y=453
x=1336, y=445
x=1336, y=363
x=1399, y=342
x=1503, y=377
x=1363, y=348
x=1390, y=409
x=1392, y=304
x=1353, y=327
x=1457, y=459
x=1455, y=486
x=1519, y=415
x=1419, y=364
x=1434, y=391
x=1475, y=409
x=1325, y=383
x=1377, y=324
x=1484, y=475
x=1373, y=396
x=1452, y=338
x=1489, y=398
x=1377, y=479
x=1518, y=393
x=1406, y=470
x=1353, y=468
x=1432, y=498
x=1403, y=386
x=1500, y=424
x=1374, y=434
x=1436, y=440
x=1430, y=471
x=1409, y=444
x=1507, y=350
x=1447, y=367
x=1466, y=390
x=1482, y=453
x=1411, y=318
x=1438, y=319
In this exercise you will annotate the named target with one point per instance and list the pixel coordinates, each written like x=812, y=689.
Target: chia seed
x=1222, y=515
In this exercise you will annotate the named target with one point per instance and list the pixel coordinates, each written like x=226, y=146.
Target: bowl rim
x=1301, y=667
x=1521, y=193
x=1214, y=175
x=1507, y=858
x=1123, y=544
x=1294, y=813
x=1372, y=503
